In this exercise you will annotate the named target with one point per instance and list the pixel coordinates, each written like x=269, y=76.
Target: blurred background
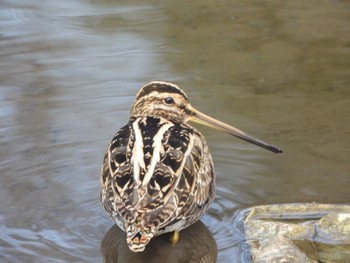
x=69, y=71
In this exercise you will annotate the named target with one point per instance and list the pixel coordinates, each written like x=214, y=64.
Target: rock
x=298, y=233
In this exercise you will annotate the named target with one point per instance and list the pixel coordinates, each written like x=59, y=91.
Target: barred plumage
x=158, y=174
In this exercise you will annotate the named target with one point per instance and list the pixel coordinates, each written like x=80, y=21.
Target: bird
x=158, y=174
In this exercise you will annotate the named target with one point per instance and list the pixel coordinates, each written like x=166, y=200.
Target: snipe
x=157, y=174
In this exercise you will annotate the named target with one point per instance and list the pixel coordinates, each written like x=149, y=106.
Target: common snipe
x=157, y=174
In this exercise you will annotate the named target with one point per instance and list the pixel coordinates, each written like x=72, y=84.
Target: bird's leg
x=175, y=238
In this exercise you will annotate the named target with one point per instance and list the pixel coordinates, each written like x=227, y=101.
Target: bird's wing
x=194, y=190
x=116, y=174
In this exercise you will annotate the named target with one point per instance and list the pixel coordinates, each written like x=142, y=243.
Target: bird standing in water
x=157, y=174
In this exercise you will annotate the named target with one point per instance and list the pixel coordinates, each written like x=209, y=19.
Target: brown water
x=69, y=71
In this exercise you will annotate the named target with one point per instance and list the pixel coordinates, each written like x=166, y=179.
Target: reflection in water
x=196, y=245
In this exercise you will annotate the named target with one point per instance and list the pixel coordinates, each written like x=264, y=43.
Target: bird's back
x=157, y=177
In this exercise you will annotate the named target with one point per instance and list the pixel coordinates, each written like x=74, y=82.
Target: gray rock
x=299, y=233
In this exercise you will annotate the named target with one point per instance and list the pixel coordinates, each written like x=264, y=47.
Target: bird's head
x=166, y=100
x=162, y=99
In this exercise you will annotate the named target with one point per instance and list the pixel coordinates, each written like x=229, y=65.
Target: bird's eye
x=169, y=100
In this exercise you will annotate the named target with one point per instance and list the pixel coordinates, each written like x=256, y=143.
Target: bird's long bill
x=201, y=118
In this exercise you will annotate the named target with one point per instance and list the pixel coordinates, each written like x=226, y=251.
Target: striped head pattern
x=162, y=99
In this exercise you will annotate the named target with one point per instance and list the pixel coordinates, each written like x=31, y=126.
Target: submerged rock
x=298, y=233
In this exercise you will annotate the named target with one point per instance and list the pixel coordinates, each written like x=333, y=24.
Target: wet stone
x=298, y=233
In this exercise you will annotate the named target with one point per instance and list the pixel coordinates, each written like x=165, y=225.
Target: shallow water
x=70, y=70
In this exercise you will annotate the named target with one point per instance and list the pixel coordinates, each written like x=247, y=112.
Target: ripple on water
x=76, y=239
x=48, y=245
x=225, y=223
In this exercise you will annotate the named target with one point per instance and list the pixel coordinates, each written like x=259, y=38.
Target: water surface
x=70, y=70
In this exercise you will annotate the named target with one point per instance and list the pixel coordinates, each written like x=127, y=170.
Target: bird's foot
x=175, y=238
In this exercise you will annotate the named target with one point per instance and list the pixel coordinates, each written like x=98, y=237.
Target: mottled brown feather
x=180, y=189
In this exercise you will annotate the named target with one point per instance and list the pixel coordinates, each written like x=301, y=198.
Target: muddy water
x=70, y=69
